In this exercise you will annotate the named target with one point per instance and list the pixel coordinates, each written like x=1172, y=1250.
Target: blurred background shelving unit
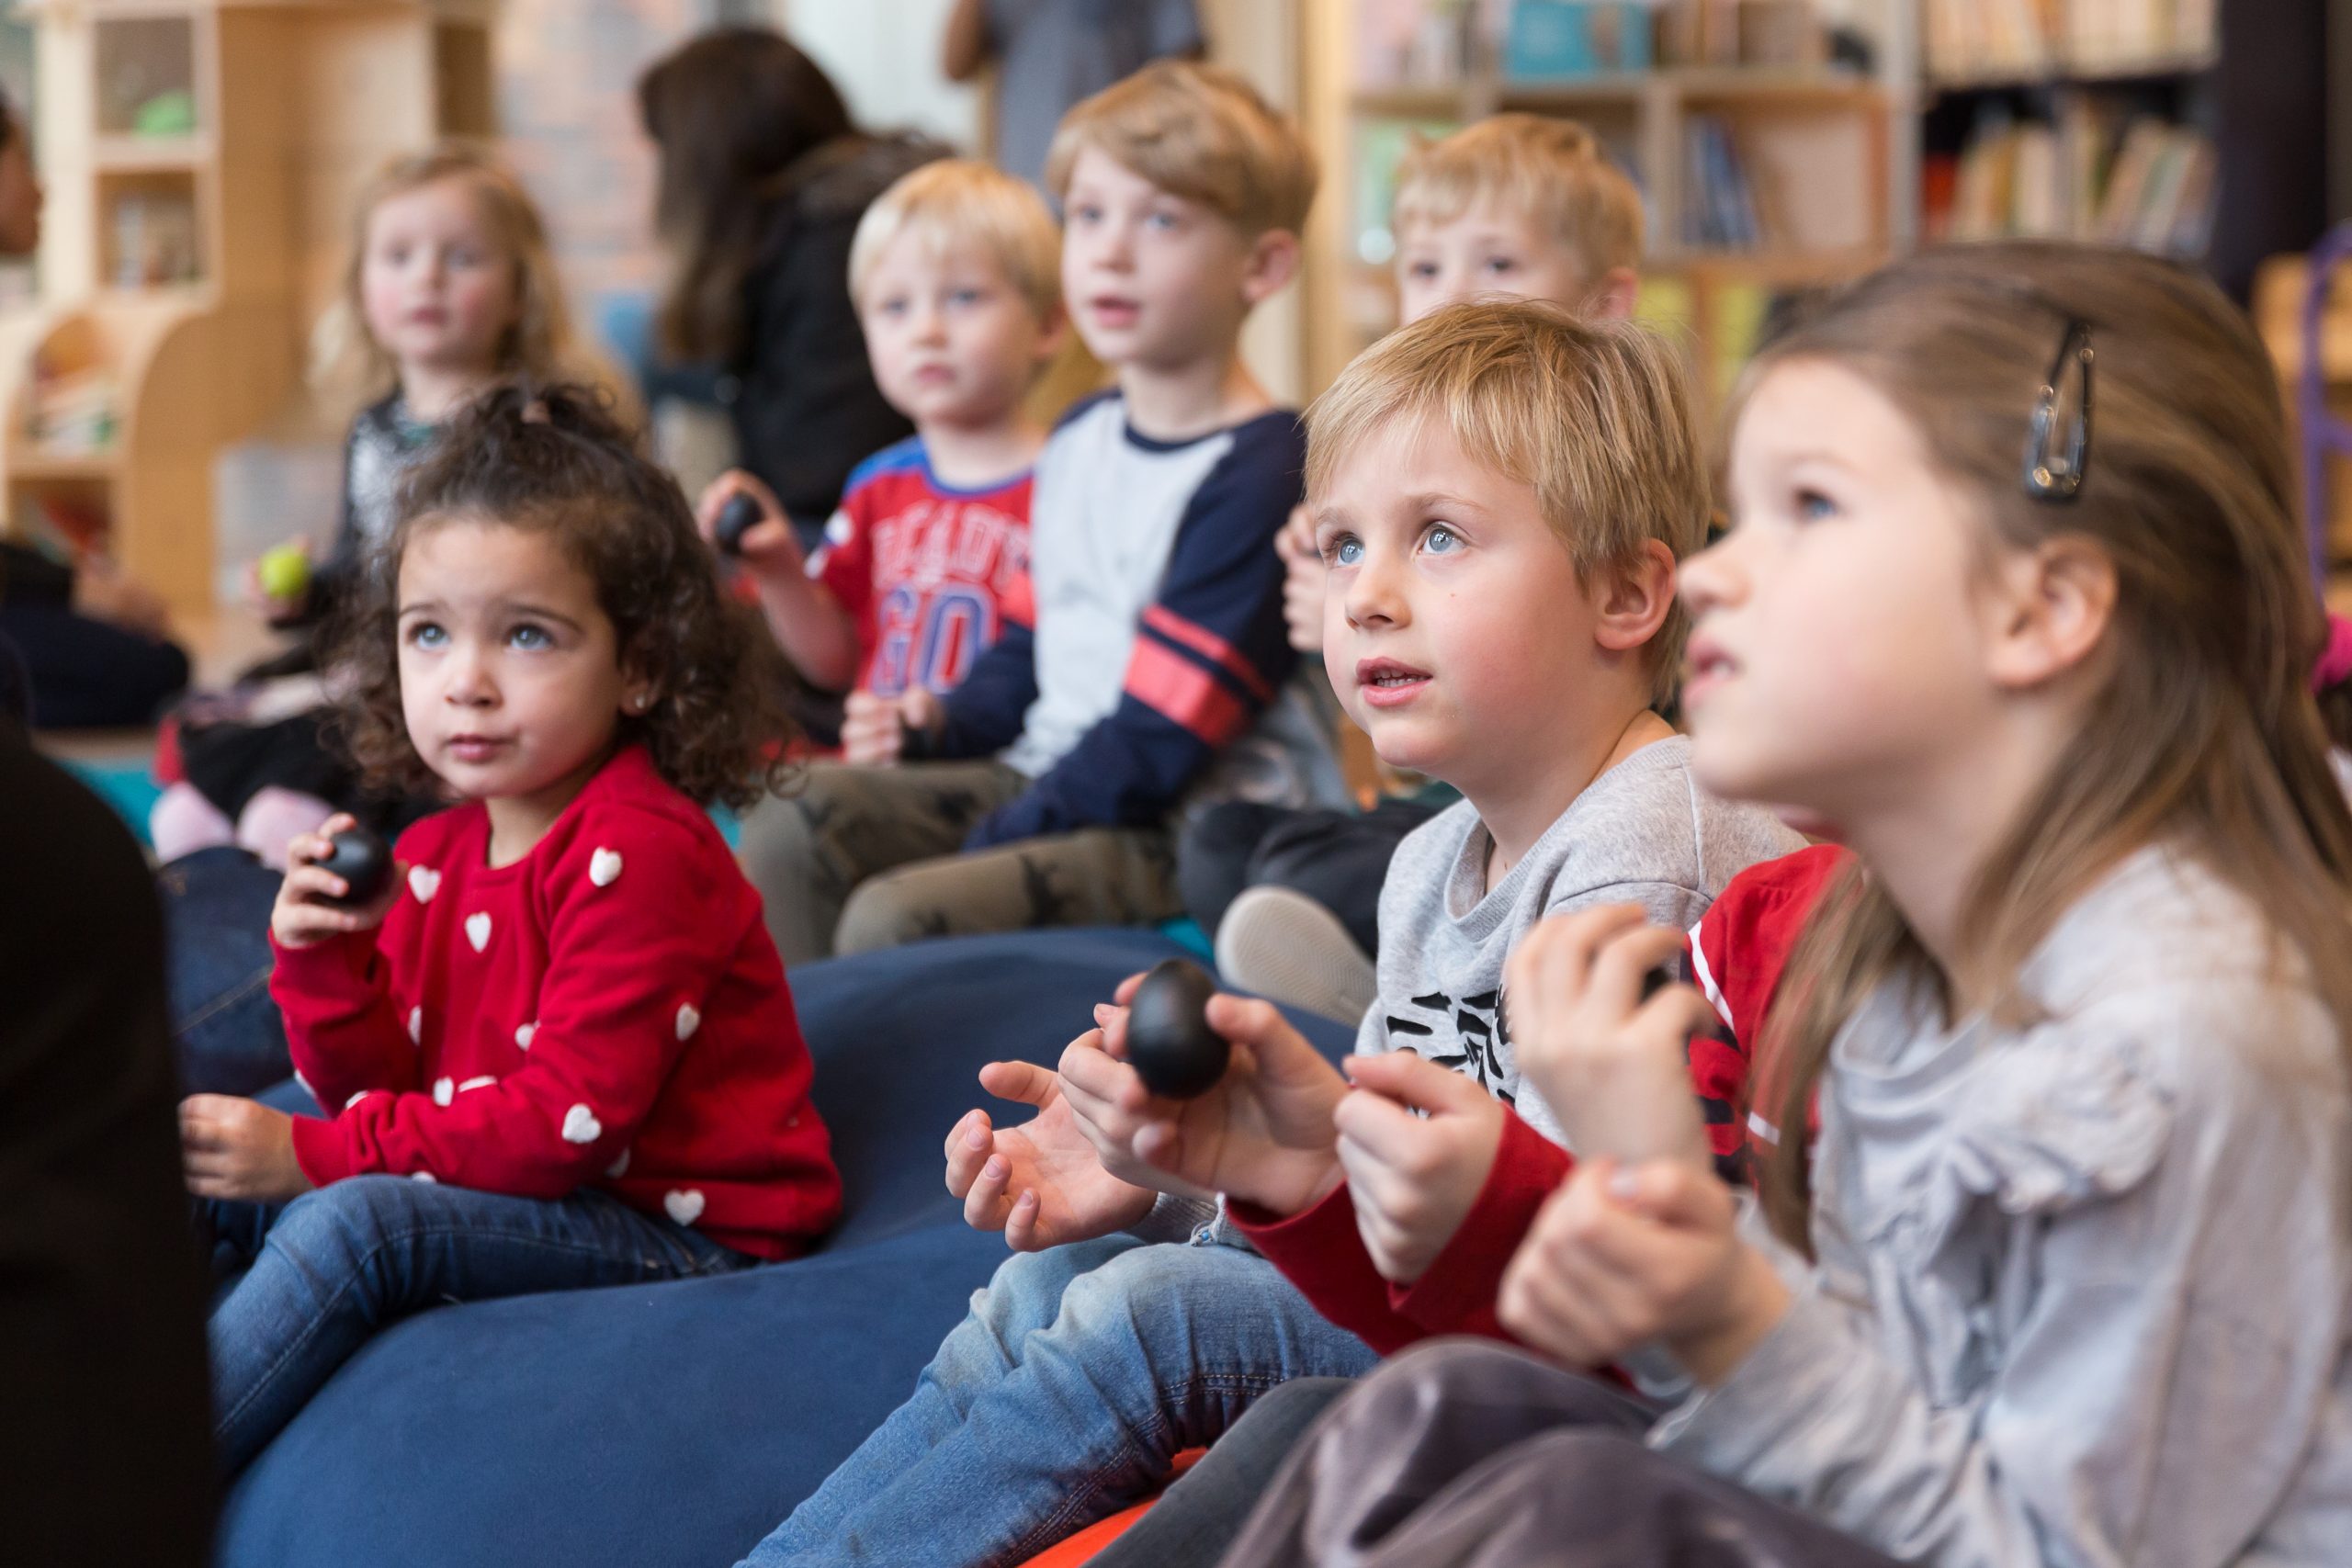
x=200, y=157
x=1765, y=161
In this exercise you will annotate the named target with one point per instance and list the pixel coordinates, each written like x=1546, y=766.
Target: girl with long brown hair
x=2060, y=1222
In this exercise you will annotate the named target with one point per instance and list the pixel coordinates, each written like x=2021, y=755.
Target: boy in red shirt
x=955, y=272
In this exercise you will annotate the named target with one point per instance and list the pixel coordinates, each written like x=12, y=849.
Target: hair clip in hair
x=2055, y=459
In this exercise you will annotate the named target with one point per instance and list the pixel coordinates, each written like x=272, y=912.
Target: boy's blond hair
x=1551, y=172
x=958, y=202
x=1198, y=131
x=1596, y=417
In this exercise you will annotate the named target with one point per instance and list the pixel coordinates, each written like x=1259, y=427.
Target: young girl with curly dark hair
x=558, y=1050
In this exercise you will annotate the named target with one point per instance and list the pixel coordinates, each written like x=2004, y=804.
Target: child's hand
x=1414, y=1179
x=1613, y=1067
x=1627, y=1256
x=1303, y=580
x=1264, y=1134
x=873, y=729
x=299, y=919
x=232, y=1147
x=768, y=546
x=278, y=609
x=1039, y=1183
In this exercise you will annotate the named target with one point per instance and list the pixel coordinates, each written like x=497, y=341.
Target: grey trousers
x=864, y=857
x=1472, y=1454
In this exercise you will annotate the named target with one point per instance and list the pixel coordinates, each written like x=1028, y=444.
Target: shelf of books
x=1765, y=162
x=2086, y=119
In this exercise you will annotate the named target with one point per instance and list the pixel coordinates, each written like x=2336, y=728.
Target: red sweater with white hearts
x=608, y=1011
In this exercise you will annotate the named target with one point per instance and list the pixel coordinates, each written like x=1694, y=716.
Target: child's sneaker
x=1286, y=947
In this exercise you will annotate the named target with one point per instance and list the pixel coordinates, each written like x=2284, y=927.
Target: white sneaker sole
x=1288, y=948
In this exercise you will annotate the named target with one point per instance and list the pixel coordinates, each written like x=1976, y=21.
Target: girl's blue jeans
x=300, y=1287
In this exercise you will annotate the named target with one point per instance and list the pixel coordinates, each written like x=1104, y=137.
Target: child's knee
x=349, y=1220
x=1023, y=1297
x=894, y=909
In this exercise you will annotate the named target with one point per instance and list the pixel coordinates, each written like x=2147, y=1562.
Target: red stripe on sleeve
x=1181, y=691
x=1209, y=646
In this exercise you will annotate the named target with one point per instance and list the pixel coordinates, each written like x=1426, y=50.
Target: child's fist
x=768, y=546
x=875, y=728
x=239, y=1148
x=1611, y=1057
x=1303, y=581
x=1417, y=1141
x=302, y=916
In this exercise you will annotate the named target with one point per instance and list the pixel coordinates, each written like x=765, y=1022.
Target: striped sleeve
x=1209, y=655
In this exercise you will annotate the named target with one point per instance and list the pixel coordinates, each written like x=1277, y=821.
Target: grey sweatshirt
x=1642, y=833
x=2081, y=1295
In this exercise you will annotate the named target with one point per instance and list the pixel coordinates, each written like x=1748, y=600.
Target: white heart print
x=523, y=1035
x=689, y=1020
x=684, y=1207
x=425, y=881
x=604, y=867
x=477, y=930
x=580, y=1126
x=416, y=1026
x=443, y=1090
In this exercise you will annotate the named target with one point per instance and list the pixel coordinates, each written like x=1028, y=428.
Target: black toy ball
x=735, y=519
x=363, y=861
x=1175, y=1052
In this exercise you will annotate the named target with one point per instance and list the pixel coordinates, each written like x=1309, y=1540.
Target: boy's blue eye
x=1442, y=541
x=1501, y=265
x=1422, y=271
x=1812, y=506
x=1165, y=221
x=966, y=297
x=1346, y=551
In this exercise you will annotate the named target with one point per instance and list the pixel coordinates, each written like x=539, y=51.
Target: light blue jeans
x=298, y=1288
x=1061, y=1398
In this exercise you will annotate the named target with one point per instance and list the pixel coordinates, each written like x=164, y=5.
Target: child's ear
x=2050, y=610
x=1614, y=298
x=1052, y=333
x=1632, y=603
x=1273, y=260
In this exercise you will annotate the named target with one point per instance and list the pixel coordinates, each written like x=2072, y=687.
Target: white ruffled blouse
x=2082, y=1287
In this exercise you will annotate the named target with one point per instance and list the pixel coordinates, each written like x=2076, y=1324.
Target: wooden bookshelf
x=201, y=157
x=1834, y=145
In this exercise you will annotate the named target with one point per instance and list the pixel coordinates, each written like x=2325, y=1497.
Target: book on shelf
x=2145, y=183
x=1410, y=43
x=1559, y=40
x=1967, y=38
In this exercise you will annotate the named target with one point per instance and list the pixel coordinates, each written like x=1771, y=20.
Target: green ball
x=285, y=572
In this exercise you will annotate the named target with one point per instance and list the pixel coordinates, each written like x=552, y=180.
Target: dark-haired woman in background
x=764, y=176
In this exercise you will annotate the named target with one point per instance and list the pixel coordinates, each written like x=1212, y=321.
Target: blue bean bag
x=677, y=1424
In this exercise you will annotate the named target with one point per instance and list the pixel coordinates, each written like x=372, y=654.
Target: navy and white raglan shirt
x=1152, y=638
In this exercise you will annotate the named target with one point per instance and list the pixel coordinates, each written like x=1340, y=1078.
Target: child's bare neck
x=1519, y=808
x=972, y=457
x=431, y=392
x=1180, y=402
